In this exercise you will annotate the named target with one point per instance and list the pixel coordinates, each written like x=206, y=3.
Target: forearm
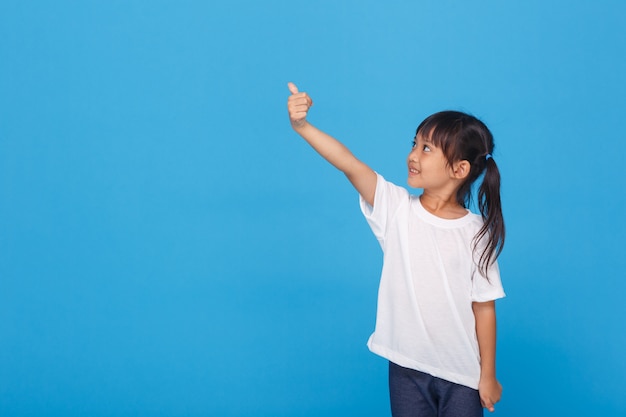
x=489, y=388
x=328, y=147
x=362, y=177
x=485, y=314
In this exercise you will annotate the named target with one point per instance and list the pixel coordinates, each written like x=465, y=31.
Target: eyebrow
x=424, y=140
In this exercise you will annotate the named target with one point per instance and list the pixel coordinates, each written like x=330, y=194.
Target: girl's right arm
x=362, y=177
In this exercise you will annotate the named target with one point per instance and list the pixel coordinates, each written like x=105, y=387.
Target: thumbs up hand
x=298, y=105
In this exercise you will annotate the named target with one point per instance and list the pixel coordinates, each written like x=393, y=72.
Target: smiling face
x=459, y=143
x=428, y=167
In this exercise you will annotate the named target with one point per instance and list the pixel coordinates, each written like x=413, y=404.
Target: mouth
x=413, y=171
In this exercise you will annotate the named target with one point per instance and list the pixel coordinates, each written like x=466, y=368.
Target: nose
x=413, y=155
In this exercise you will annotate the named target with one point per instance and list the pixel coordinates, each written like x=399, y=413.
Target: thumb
x=292, y=88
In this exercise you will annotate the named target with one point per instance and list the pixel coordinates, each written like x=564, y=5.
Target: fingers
x=488, y=403
x=296, y=93
x=298, y=104
x=298, y=109
x=490, y=392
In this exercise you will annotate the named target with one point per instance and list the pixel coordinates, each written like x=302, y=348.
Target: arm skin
x=489, y=388
x=362, y=177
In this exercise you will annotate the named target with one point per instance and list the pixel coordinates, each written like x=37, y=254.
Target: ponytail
x=490, y=208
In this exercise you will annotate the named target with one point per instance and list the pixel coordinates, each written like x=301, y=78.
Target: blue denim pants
x=417, y=394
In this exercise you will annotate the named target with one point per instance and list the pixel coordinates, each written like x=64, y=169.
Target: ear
x=461, y=169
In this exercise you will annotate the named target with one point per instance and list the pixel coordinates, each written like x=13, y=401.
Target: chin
x=413, y=184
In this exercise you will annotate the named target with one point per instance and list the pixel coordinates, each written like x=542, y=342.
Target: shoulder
x=388, y=187
x=475, y=220
x=388, y=199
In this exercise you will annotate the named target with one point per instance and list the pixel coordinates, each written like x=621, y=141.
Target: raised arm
x=362, y=177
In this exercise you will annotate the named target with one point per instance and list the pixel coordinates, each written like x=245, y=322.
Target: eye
x=413, y=144
x=426, y=148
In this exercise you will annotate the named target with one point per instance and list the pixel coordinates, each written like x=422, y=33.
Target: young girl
x=436, y=320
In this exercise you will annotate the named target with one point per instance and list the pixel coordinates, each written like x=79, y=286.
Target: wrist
x=484, y=376
x=488, y=369
x=299, y=124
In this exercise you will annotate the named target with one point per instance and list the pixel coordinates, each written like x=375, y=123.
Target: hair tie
x=488, y=157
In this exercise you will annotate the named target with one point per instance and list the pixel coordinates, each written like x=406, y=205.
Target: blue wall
x=169, y=247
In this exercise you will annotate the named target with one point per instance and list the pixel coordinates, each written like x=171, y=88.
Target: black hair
x=464, y=137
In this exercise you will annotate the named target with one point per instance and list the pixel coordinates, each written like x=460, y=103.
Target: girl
x=436, y=320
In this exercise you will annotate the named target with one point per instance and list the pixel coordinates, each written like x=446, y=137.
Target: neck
x=442, y=205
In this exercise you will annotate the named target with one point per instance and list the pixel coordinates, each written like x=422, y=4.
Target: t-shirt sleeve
x=487, y=290
x=387, y=199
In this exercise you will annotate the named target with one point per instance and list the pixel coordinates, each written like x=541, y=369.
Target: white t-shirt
x=429, y=280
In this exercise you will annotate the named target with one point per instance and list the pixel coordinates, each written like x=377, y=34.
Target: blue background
x=169, y=247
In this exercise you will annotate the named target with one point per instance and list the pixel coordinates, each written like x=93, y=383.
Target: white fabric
x=429, y=281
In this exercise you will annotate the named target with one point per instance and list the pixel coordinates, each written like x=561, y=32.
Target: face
x=428, y=166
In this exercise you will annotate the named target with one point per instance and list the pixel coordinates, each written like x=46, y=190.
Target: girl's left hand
x=490, y=392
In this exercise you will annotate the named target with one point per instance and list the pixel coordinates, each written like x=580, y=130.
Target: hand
x=298, y=106
x=490, y=392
